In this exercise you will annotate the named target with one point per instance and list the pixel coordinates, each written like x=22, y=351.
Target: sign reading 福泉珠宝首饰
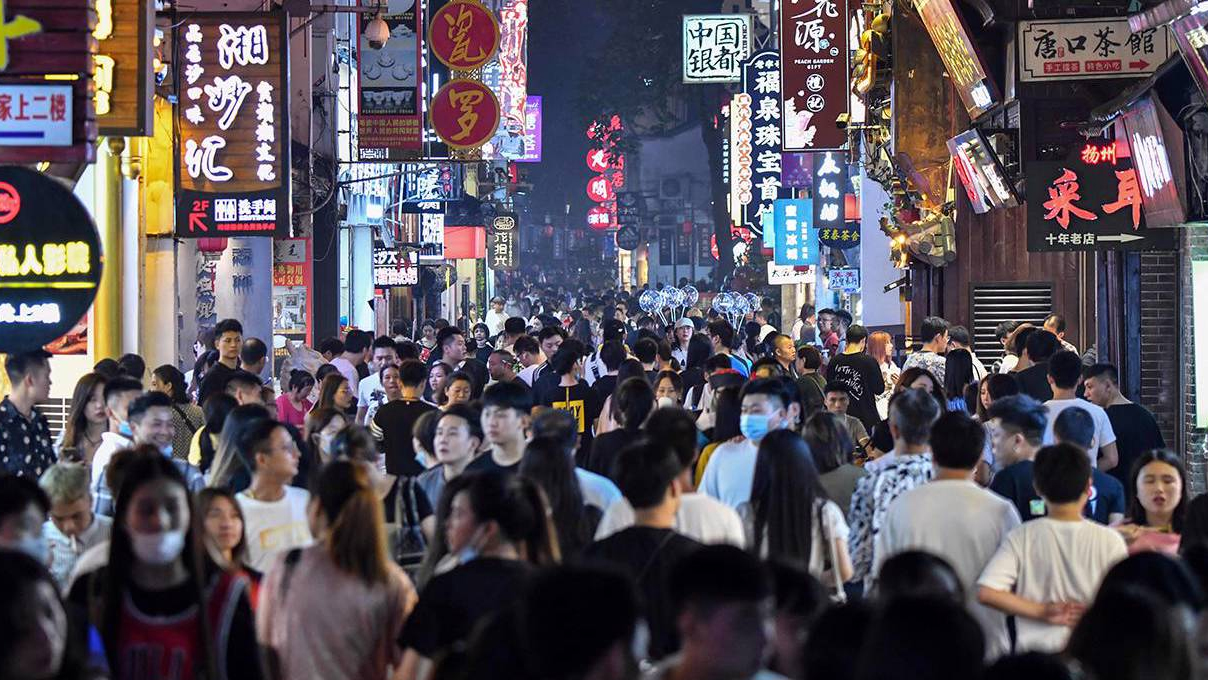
x=759, y=180
x=233, y=151
x=1074, y=49
x=814, y=74
x=124, y=78
x=1091, y=201
x=50, y=259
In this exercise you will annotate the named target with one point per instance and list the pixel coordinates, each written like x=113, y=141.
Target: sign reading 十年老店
x=124, y=77
x=50, y=259
x=46, y=64
x=1066, y=49
x=232, y=153
x=715, y=47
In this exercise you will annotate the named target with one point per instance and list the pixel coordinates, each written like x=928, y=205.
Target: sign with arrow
x=1078, y=49
x=1091, y=201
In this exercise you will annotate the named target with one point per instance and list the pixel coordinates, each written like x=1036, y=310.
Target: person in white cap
x=684, y=328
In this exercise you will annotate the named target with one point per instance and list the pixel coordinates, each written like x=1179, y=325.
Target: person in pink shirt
x=293, y=406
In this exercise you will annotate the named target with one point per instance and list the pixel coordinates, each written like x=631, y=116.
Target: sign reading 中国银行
x=389, y=116
x=233, y=150
x=50, y=259
x=814, y=74
x=793, y=244
x=1069, y=49
x=715, y=46
x=759, y=178
x=503, y=243
x=124, y=77
x=1091, y=201
x=961, y=58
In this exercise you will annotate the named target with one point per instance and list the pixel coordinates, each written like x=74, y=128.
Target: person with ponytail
x=498, y=529
x=334, y=610
x=162, y=606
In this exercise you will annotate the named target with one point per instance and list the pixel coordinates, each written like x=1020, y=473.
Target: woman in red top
x=163, y=608
x=293, y=406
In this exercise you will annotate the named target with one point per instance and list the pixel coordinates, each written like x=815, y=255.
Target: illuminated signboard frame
x=384, y=120
x=761, y=176
x=815, y=71
x=202, y=203
x=50, y=259
x=795, y=243
x=961, y=57
x=742, y=25
x=981, y=173
x=503, y=243
x=388, y=272
x=1157, y=172
x=126, y=52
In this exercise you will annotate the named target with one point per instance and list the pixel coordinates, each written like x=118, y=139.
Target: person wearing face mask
x=1018, y=423
x=23, y=509
x=162, y=607
x=668, y=389
x=150, y=418
x=498, y=530
x=767, y=404
x=119, y=392
x=274, y=512
x=73, y=526
x=344, y=587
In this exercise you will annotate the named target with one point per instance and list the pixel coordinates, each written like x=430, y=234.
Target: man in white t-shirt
x=370, y=394
x=767, y=405
x=1065, y=370
x=1047, y=571
x=274, y=514
x=923, y=519
x=355, y=344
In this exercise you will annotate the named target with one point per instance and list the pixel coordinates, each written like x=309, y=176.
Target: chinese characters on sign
x=291, y=295
x=603, y=158
x=465, y=113
x=961, y=58
x=760, y=176
x=123, y=76
x=394, y=268
x=1160, y=196
x=846, y=279
x=830, y=190
x=532, y=131
x=1090, y=202
x=463, y=35
x=715, y=46
x=1089, y=48
x=513, y=60
x=793, y=245
x=1191, y=34
x=983, y=177
x=35, y=115
x=50, y=259
x=389, y=116
x=740, y=155
x=503, y=243
x=233, y=150
x=814, y=68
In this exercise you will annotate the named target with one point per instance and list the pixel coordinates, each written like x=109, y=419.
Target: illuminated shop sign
x=961, y=59
x=981, y=174
x=815, y=74
x=124, y=77
x=715, y=47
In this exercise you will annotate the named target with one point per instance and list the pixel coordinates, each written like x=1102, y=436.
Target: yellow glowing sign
x=104, y=63
x=19, y=27
x=56, y=259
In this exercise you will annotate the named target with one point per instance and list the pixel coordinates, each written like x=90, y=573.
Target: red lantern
x=599, y=189
x=599, y=218
x=597, y=160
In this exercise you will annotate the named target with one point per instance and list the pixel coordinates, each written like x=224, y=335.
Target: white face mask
x=667, y=402
x=158, y=548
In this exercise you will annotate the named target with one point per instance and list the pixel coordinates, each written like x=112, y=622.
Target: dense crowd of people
x=565, y=491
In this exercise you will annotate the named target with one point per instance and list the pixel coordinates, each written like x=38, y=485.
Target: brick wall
x=1160, y=315
x=1194, y=441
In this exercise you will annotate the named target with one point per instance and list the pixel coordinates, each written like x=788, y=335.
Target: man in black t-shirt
x=860, y=375
x=648, y=473
x=393, y=421
x=228, y=338
x=505, y=416
x=1135, y=427
x=1018, y=423
x=571, y=394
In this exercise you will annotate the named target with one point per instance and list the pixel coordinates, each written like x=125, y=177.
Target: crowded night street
x=603, y=339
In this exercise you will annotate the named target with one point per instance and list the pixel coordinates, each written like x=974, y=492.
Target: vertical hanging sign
x=232, y=153
x=961, y=59
x=815, y=73
x=503, y=243
x=390, y=116
x=761, y=85
x=124, y=78
x=830, y=189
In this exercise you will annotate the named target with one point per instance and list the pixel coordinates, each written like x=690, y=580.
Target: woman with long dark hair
x=958, y=375
x=187, y=417
x=295, y=403
x=727, y=415
x=915, y=377
x=230, y=468
x=205, y=361
x=334, y=392
x=1159, y=505
x=832, y=448
x=693, y=375
x=632, y=401
x=160, y=600
x=222, y=525
x=86, y=421
x=790, y=517
x=434, y=388
x=343, y=588
x=499, y=529
x=546, y=463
